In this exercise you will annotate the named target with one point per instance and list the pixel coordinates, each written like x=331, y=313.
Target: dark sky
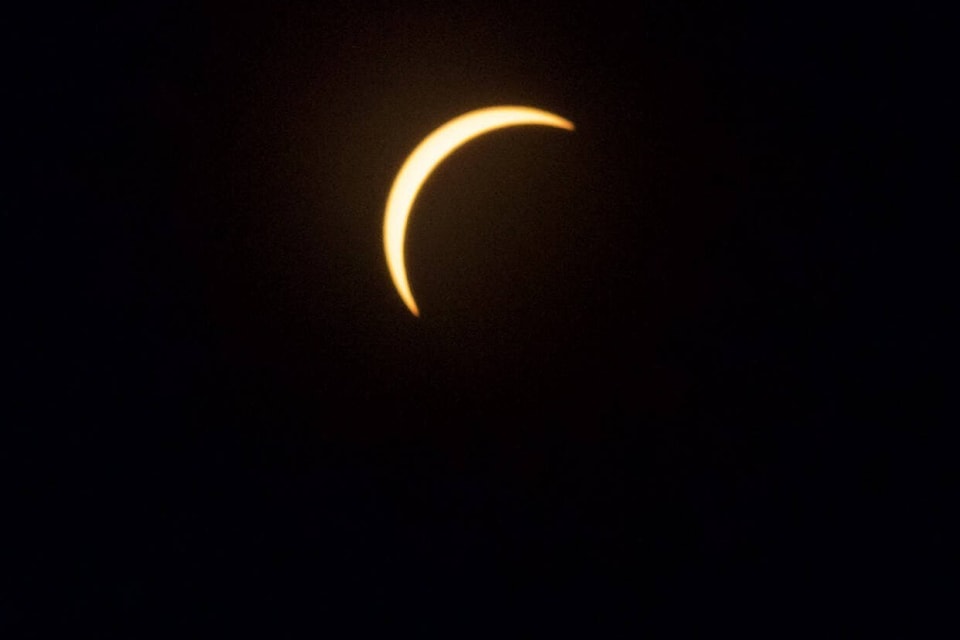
x=642, y=392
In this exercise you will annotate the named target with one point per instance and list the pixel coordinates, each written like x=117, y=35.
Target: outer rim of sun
x=421, y=162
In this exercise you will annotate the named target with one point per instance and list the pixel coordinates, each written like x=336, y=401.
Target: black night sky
x=642, y=395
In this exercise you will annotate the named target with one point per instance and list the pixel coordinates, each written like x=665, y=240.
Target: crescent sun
x=425, y=158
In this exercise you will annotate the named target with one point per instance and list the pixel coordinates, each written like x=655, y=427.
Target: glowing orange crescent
x=425, y=158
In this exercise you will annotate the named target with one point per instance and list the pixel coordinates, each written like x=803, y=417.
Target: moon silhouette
x=425, y=158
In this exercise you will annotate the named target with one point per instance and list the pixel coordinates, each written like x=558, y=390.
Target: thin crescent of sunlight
x=425, y=158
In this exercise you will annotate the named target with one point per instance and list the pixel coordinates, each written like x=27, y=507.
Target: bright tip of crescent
x=425, y=158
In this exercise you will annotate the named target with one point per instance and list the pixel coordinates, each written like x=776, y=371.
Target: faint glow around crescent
x=425, y=158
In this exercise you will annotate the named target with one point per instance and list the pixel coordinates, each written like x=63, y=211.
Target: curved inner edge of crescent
x=426, y=157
